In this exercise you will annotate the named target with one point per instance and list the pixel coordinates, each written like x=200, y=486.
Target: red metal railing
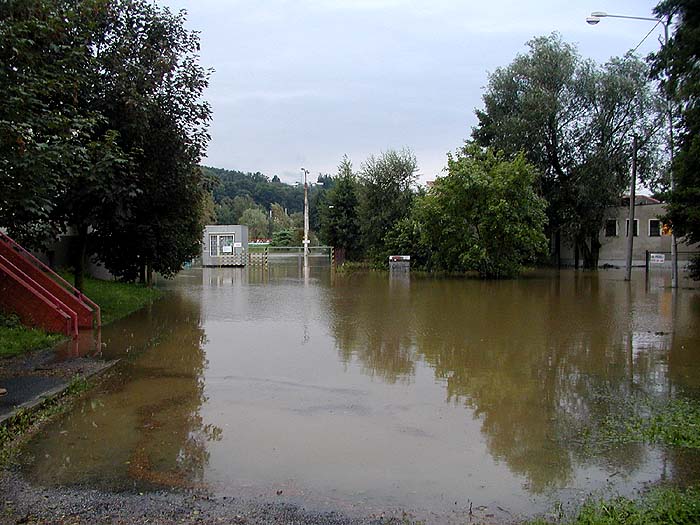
x=33, y=303
x=27, y=278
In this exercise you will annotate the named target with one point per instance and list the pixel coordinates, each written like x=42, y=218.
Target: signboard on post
x=657, y=258
x=399, y=263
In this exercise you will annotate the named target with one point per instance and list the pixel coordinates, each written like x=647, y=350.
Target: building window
x=221, y=244
x=611, y=228
x=654, y=228
x=636, y=227
x=226, y=244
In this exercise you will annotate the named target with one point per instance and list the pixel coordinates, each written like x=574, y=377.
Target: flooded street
x=361, y=392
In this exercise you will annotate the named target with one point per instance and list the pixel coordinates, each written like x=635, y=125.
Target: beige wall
x=613, y=250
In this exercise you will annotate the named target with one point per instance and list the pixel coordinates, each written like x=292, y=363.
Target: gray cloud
x=304, y=82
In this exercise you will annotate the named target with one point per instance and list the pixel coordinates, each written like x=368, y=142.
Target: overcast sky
x=301, y=83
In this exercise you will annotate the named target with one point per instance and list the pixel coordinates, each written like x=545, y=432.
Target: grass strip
x=15, y=340
x=675, y=423
x=668, y=506
x=116, y=299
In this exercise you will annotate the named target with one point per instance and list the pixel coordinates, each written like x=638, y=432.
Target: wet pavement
x=362, y=394
x=33, y=378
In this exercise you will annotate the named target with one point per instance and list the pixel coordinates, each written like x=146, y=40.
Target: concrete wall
x=239, y=251
x=613, y=250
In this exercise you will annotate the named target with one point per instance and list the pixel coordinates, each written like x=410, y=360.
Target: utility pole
x=669, y=111
x=306, y=218
x=594, y=19
x=630, y=224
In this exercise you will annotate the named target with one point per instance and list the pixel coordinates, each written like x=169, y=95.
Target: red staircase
x=40, y=296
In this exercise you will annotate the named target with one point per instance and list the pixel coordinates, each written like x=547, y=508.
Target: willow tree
x=385, y=195
x=574, y=120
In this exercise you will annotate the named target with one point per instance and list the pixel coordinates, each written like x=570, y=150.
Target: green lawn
x=19, y=339
x=116, y=300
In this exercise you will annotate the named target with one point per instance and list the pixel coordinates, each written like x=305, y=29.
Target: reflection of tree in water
x=535, y=359
x=371, y=325
x=144, y=422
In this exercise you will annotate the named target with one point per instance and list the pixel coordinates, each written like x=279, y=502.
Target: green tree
x=484, y=215
x=257, y=223
x=574, y=121
x=340, y=225
x=285, y=238
x=279, y=218
x=149, y=88
x=677, y=67
x=48, y=137
x=385, y=196
x=102, y=130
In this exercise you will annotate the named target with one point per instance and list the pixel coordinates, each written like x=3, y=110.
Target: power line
x=646, y=36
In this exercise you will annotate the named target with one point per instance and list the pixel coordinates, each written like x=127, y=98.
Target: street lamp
x=306, y=217
x=595, y=19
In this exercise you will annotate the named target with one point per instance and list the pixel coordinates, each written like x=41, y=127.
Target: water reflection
x=367, y=391
x=534, y=361
x=143, y=427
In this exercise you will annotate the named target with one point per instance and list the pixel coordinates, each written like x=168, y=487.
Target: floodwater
x=364, y=392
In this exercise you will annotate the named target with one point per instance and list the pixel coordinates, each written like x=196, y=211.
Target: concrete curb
x=55, y=392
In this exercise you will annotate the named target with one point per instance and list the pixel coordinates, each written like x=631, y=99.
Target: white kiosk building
x=225, y=245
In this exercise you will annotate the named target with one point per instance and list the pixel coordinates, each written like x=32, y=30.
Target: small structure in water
x=399, y=263
x=225, y=245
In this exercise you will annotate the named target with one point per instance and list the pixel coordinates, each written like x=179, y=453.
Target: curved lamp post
x=594, y=19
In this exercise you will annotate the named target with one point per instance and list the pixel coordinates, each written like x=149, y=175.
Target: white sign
x=237, y=245
x=657, y=258
x=227, y=249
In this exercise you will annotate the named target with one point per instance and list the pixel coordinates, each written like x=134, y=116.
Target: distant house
x=650, y=236
x=225, y=245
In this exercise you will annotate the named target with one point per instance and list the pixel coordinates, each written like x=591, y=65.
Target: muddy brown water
x=365, y=392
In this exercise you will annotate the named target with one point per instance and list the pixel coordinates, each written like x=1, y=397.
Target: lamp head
x=592, y=20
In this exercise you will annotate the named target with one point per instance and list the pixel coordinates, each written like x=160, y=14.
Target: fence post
x=646, y=261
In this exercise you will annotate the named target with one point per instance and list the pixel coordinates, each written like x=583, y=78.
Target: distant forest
x=245, y=198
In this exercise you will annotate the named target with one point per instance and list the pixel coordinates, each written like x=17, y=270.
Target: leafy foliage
x=234, y=188
x=484, y=216
x=256, y=220
x=574, y=121
x=677, y=67
x=103, y=130
x=340, y=224
x=385, y=195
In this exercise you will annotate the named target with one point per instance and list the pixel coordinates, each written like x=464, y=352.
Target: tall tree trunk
x=586, y=253
x=149, y=274
x=80, y=258
x=576, y=254
x=142, y=274
x=595, y=251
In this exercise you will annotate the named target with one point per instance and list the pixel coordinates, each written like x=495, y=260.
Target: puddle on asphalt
x=362, y=392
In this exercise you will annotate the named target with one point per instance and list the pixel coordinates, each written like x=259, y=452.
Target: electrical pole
x=630, y=223
x=306, y=218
